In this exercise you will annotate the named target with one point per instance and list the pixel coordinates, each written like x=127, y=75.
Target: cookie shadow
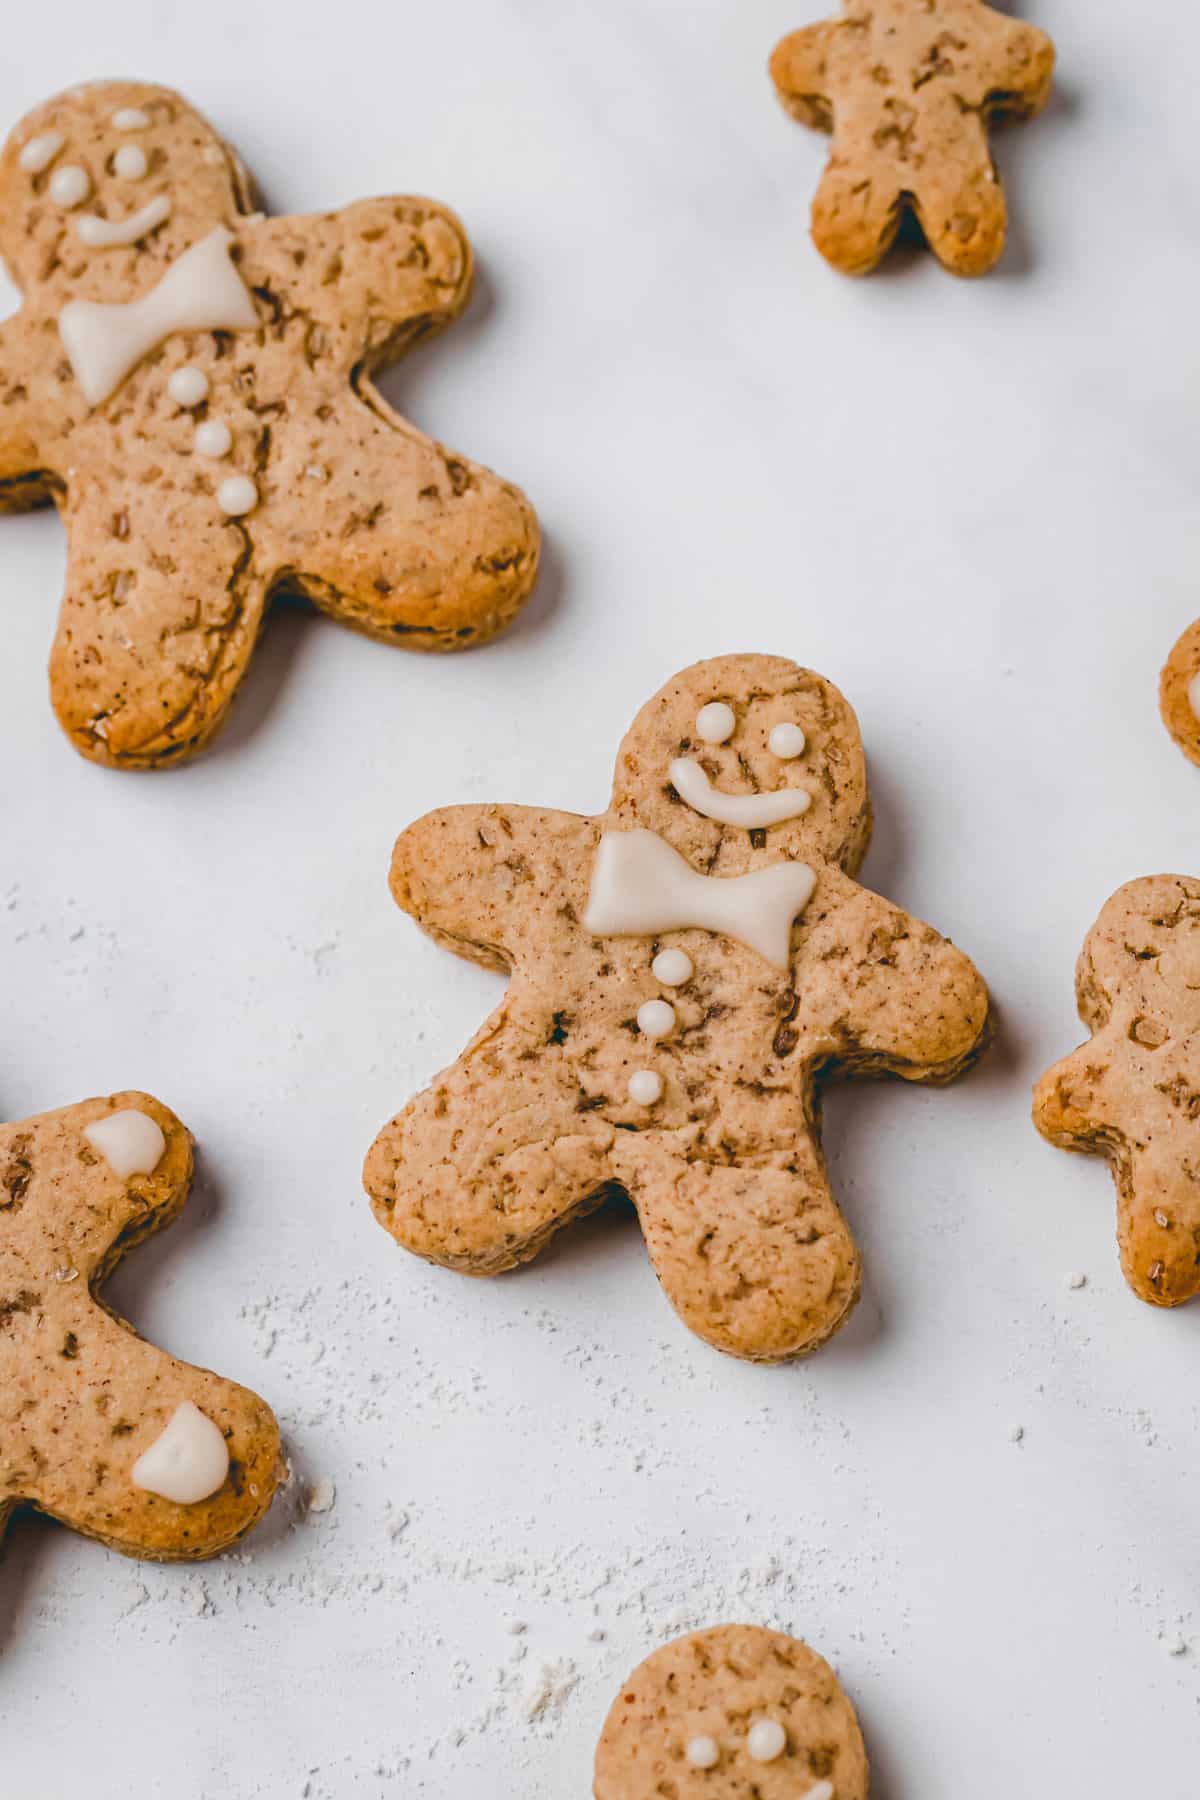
x=883, y=865
x=25, y=1553
x=290, y=633
x=1019, y=145
x=403, y=383
x=143, y=1278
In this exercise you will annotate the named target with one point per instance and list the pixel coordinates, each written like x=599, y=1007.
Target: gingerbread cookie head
x=907, y=88
x=1132, y=1094
x=733, y=1713
x=98, y=1428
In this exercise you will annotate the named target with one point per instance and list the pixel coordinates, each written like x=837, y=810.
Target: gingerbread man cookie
x=1132, y=1094
x=907, y=88
x=190, y=383
x=733, y=1713
x=1179, y=693
x=98, y=1428
x=683, y=969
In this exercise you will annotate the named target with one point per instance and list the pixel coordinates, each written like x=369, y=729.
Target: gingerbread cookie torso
x=98, y=1428
x=907, y=88
x=1132, y=1093
x=190, y=383
x=732, y=1713
x=683, y=969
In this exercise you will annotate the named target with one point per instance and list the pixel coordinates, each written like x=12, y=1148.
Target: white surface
x=973, y=507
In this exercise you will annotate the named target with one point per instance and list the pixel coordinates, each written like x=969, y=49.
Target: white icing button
x=766, y=1740
x=655, y=1018
x=715, y=722
x=187, y=1462
x=672, y=967
x=130, y=162
x=786, y=742
x=213, y=438
x=41, y=151
x=70, y=185
x=236, y=495
x=130, y=1142
x=754, y=812
x=1193, y=694
x=188, y=386
x=130, y=118
x=703, y=1753
x=645, y=1087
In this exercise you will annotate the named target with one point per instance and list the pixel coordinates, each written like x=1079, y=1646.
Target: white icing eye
x=786, y=742
x=766, y=1740
x=645, y=1087
x=41, y=151
x=131, y=118
x=672, y=967
x=130, y=162
x=703, y=1753
x=822, y=1791
x=187, y=1461
x=130, y=1142
x=213, y=438
x=70, y=185
x=188, y=386
x=655, y=1018
x=237, y=495
x=715, y=722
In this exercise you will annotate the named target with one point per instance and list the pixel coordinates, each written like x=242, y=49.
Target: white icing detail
x=98, y=233
x=703, y=1753
x=236, y=495
x=70, y=185
x=673, y=967
x=656, y=1018
x=766, y=1740
x=786, y=742
x=640, y=886
x=822, y=1791
x=188, y=386
x=753, y=811
x=213, y=438
x=130, y=118
x=645, y=1087
x=129, y=162
x=201, y=291
x=187, y=1462
x=1193, y=694
x=41, y=151
x=715, y=723
x=131, y=1142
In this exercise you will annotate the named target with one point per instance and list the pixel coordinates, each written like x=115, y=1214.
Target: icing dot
x=786, y=742
x=822, y=1791
x=130, y=118
x=645, y=1087
x=655, y=1018
x=766, y=1740
x=70, y=185
x=672, y=967
x=236, y=495
x=213, y=438
x=703, y=1753
x=1193, y=694
x=187, y=1461
x=130, y=162
x=41, y=151
x=715, y=722
x=131, y=1142
x=188, y=386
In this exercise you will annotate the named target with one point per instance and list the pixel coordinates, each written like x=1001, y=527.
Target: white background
x=974, y=507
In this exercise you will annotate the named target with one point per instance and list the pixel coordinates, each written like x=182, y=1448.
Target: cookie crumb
x=1076, y=1280
x=322, y=1496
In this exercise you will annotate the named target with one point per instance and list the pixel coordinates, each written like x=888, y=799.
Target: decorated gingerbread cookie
x=683, y=969
x=98, y=1428
x=907, y=88
x=1132, y=1094
x=190, y=383
x=1179, y=693
x=734, y=1713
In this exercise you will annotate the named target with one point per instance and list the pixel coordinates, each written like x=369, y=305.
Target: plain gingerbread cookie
x=907, y=88
x=684, y=969
x=733, y=1713
x=1132, y=1094
x=98, y=1428
x=190, y=383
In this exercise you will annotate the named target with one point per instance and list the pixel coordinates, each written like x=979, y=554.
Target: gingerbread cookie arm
x=1016, y=66
x=23, y=476
x=800, y=71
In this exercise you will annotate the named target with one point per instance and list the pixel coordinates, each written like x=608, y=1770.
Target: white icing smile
x=753, y=811
x=187, y=1462
x=98, y=233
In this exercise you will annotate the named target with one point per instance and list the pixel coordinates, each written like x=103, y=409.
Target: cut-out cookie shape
x=678, y=984
x=907, y=88
x=733, y=1713
x=190, y=383
x=1132, y=1094
x=1179, y=693
x=98, y=1428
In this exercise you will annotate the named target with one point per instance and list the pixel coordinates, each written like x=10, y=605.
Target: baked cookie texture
x=682, y=1724
x=908, y=88
x=82, y=1397
x=1132, y=1093
x=709, y=1119
x=1179, y=693
x=215, y=435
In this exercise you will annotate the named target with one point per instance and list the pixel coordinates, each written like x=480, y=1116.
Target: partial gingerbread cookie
x=1179, y=693
x=191, y=384
x=683, y=970
x=98, y=1428
x=1132, y=1094
x=734, y=1713
x=908, y=87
